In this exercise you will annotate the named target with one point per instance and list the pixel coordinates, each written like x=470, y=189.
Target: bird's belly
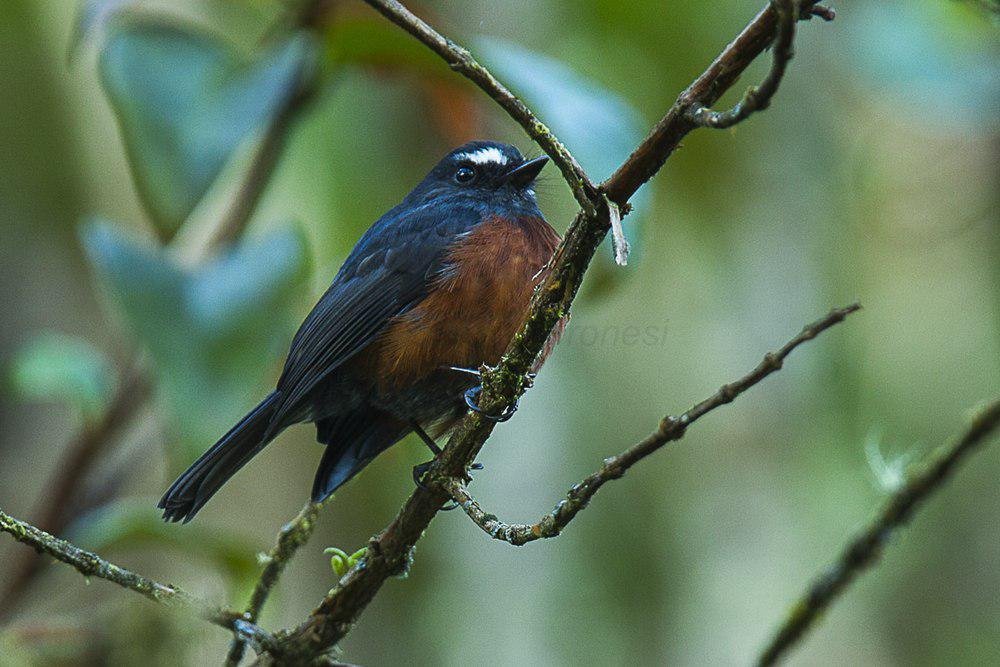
x=467, y=319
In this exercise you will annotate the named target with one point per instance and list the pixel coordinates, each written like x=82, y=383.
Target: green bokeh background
x=874, y=176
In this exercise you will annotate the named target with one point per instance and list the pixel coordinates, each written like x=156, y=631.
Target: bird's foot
x=472, y=395
x=471, y=398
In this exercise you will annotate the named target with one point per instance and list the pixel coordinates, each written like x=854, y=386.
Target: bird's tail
x=194, y=487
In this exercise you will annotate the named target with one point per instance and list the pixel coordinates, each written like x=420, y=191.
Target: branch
x=291, y=538
x=720, y=76
x=758, y=98
x=91, y=565
x=389, y=552
x=460, y=60
x=863, y=551
x=670, y=429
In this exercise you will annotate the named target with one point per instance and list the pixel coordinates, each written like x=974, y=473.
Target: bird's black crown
x=482, y=169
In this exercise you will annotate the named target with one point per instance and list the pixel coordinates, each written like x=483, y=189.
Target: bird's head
x=483, y=171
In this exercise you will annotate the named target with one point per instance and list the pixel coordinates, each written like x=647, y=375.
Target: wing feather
x=388, y=272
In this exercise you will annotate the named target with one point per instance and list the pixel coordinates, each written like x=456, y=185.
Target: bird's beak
x=525, y=173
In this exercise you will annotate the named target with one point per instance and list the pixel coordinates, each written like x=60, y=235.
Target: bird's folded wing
x=389, y=271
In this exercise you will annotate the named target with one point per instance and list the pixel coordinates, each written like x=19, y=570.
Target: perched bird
x=435, y=288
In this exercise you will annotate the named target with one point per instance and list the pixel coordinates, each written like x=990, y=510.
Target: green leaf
x=135, y=523
x=214, y=333
x=341, y=562
x=57, y=367
x=185, y=102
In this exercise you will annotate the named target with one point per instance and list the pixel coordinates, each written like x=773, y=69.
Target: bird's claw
x=418, y=473
x=470, y=400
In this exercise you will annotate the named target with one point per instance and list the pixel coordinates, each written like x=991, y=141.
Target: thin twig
x=291, y=538
x=670, y=429
x=91, y=565
x=460, y=59
x=389, y=553
x=757, y=98
x=720, y=76
x=864, y=550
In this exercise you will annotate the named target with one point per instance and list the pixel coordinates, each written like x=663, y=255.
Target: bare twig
x=758, y=97
x=670, y=429
x=460, y=60
x=91, y=565
x=720, y=76
x=389, y=552
x=864, y=550
x=292, y=537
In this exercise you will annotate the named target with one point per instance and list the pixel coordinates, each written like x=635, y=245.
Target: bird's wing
x=386, y=274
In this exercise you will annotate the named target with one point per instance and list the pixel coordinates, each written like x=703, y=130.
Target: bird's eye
x=465, y=174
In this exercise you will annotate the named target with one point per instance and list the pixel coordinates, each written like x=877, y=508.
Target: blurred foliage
x=186, y=102
x=60, y=368
x=873, y=176
x=136, y=523
x=202, y=326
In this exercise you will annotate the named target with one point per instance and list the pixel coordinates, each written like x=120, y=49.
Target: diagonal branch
x=720, y=76
x=388, y=553
x=864, y=550
x=291, y=538
x=91, y=565
x=460, y=59
x=757, y=97
x=670, y=429
x=78, y=459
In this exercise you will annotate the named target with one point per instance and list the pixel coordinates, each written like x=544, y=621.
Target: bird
x=433, y=290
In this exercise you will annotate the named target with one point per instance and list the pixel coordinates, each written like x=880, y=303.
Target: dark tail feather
x=352, y=441
x=192, y=489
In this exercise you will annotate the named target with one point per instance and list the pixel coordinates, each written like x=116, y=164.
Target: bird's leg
x=431, y=445
x=419, y=470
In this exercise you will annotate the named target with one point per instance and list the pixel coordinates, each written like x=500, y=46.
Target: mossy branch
x=91, y=565
x=389, y=552
x=292, y=537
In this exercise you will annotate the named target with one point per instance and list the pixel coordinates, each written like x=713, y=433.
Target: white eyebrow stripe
x=484, y=155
